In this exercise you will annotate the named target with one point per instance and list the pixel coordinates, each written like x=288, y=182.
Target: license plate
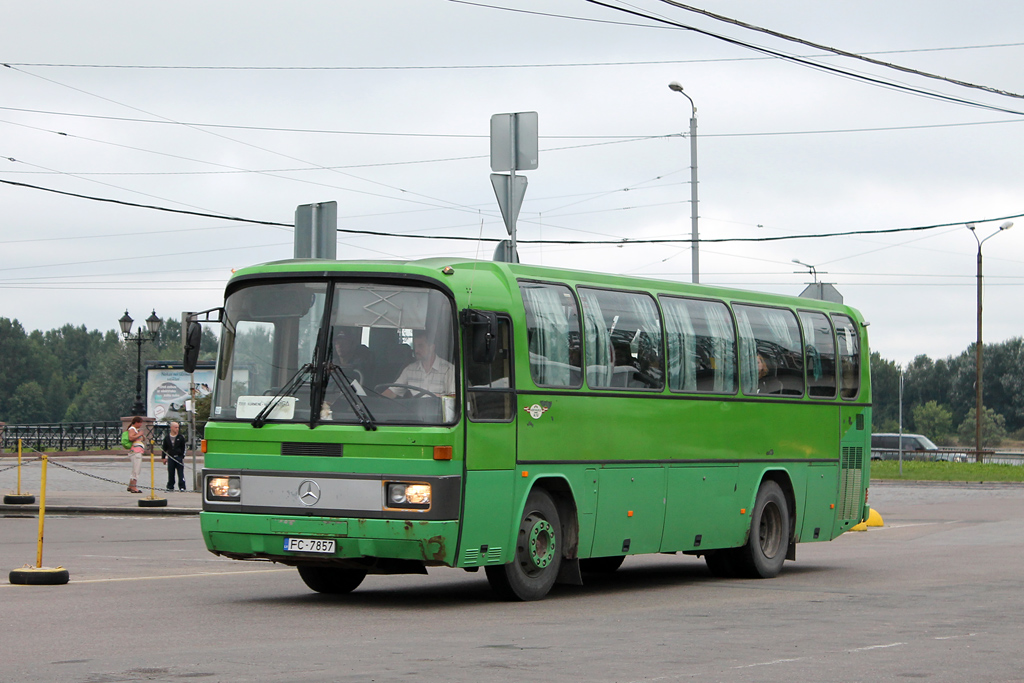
x=310, y=545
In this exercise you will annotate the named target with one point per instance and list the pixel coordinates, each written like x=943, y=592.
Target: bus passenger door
x=490, y=453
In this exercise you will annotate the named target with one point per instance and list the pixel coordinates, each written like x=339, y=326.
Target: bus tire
x=601, y=565
x=331, y=580
x=533, y=570
x=768, y=542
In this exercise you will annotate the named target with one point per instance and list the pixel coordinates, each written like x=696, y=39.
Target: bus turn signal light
x=202, y=445
x=442, y=452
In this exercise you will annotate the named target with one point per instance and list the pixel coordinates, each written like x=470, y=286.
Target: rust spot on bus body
x=440, y=554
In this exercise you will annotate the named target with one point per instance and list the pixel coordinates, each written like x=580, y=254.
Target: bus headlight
x=223, y=488
x=409, y=496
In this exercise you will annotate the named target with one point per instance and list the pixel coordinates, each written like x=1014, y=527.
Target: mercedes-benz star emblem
x=309, y=492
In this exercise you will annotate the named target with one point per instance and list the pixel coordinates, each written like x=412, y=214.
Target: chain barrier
x=39, y=458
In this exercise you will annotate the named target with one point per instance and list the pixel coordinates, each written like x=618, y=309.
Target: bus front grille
x=296, y=448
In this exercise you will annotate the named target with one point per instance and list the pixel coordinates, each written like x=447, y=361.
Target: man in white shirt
x=429, y=372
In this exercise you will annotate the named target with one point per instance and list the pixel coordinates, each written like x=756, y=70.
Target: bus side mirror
x=193, y=337
x=482, y=333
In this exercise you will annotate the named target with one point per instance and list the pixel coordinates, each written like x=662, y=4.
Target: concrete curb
x=33, y=510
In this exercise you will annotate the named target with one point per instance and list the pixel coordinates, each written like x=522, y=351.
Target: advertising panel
x=167, y=389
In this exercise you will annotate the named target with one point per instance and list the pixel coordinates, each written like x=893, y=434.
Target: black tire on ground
x=331, y=580
x=15, y=499
x=765, y=551
x=39, y=576
x=533, y=571
x=722, y=563
x=152, y=502
x=601, y=565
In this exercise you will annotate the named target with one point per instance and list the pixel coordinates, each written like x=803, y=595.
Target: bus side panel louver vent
x=333, y=450
x=850, y=488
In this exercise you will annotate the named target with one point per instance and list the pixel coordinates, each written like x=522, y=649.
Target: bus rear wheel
x=331, y=580
x=765, y=551
x=533, y=570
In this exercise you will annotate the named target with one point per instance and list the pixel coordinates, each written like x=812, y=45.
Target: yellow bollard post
x=40, y=575
x=19, y=498
x=152, y=501
x=42, y=514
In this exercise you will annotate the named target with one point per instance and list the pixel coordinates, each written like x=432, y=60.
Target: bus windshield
x=322, y=352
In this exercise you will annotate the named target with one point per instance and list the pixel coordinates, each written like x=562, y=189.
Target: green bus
x=375, y=417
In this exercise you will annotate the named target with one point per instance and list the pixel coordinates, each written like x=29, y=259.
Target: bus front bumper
x=255, y=536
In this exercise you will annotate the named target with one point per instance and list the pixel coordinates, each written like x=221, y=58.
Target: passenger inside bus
x=768, y=381
x=352, y=356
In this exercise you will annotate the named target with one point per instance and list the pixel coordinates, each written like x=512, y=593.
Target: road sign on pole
x=514, y=142
x=513, y=148
x=316, y=230
x=501, y=183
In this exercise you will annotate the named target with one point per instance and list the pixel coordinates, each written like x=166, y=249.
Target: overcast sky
x=400, y=104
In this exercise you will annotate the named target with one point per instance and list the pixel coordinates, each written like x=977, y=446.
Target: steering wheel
x=421, y=392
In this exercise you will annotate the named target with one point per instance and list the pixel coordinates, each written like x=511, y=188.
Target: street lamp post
x=694, y=251
x=978, y=366
x=140, y=338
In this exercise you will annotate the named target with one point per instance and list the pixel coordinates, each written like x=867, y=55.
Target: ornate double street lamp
x=140, y=338
x=978, y=410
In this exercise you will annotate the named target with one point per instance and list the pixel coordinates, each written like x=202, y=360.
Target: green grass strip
x=914, y=470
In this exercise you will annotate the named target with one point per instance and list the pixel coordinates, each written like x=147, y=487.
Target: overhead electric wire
x=764, y=50
x=121, y=202
x=836, y=51
x=428, y=67
x=453, y=205
x=616, y=242
x=808, y=63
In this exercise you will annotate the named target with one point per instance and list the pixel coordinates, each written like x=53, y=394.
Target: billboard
x=167, y=389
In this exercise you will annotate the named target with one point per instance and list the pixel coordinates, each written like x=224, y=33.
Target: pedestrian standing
x=138, y=440
x=174, y=456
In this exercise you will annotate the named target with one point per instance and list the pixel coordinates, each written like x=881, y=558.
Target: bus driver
x=429, y=372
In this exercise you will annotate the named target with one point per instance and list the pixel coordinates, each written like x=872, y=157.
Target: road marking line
x=774, y=661
x=172, y=576
x=966, y=635
x=875, y=647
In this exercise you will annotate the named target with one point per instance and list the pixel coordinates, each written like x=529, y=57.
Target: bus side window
x=849, y=356
x=771, y=358
x=553, y=334
x=820, y=351
x=490, y=393
x=623, y=340
x=701, y=345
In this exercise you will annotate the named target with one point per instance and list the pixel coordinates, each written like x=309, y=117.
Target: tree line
x=939, y=396
x=72, y=374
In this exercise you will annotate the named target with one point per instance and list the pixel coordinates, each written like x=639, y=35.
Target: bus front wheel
x=765, y=551
x=533, y=570
x=331, y=580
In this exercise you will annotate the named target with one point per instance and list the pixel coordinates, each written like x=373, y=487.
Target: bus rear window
x=849, y=356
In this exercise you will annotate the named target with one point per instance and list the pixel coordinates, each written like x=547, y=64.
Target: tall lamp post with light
x=139, y=338
x=694, y=251
x=978, y=410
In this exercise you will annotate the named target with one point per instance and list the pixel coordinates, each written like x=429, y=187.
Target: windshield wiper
x=362, y=413
x=292, y=384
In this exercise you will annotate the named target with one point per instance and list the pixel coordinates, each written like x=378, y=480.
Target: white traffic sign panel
x=501, y=190
x=514, y=145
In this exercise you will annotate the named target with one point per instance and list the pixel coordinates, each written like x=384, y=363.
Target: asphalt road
x=936, y=594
